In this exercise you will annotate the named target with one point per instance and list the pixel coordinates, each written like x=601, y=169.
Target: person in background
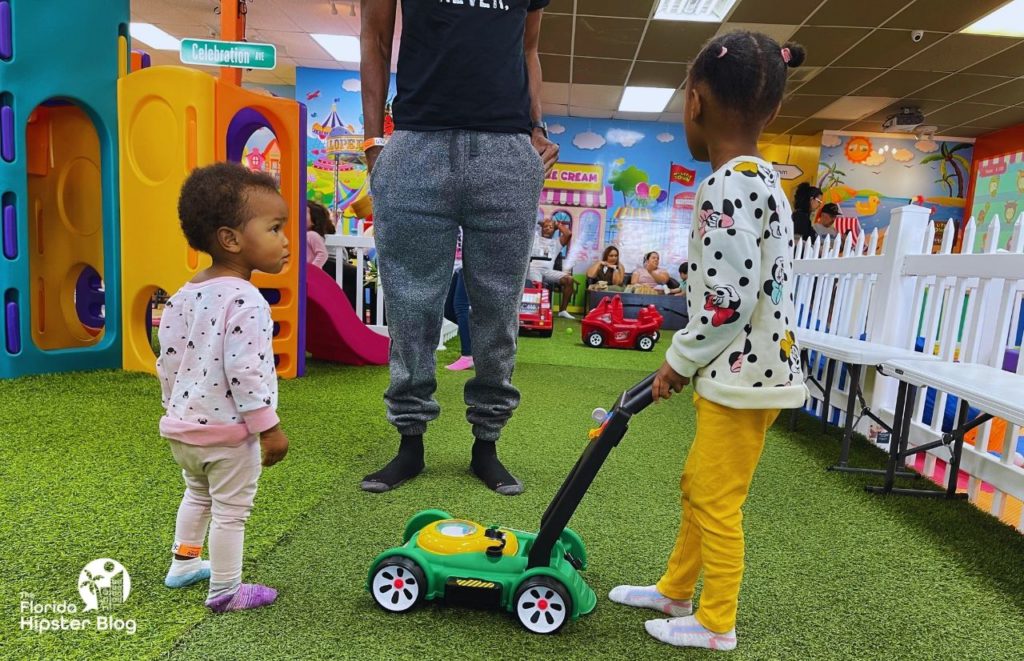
x=318, y=226
x=806, y=202
x=542, y=261
x=608, y=269
x=684, y=274
x=650, y=275
x=826, y=225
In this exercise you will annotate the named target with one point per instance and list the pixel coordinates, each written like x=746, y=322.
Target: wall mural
x=335, y=164
x=869, y=175
x=997, y=191
x=631, y=184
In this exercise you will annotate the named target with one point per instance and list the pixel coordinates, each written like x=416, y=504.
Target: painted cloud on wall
x=926, y=146
x=903, y=155
x=588, y=140
x=830, y=140
x=874, y=159
x=352, y=85
x=666, y=137
x=624, y=137
x=556, y=129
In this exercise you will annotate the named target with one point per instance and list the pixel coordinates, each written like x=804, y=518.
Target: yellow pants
x=715, y=482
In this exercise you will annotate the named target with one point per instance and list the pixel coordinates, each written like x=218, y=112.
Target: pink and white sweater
x=216, y=363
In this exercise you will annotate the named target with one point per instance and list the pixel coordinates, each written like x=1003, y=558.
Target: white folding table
x=994, y=392
x=856, y=354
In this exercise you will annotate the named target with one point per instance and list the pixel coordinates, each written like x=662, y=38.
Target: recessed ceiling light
x=343, y=49
x=1007, y=21
x=646, y=99
x=153, y=36
x=704, y=11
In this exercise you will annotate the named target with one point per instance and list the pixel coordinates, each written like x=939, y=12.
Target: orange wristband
x=373, y=142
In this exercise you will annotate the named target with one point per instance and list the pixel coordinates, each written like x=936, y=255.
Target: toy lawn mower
x=534, y=576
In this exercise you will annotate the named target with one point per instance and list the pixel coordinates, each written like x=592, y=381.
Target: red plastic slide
x=333, y=331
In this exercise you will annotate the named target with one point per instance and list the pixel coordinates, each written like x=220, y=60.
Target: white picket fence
x=961, y=306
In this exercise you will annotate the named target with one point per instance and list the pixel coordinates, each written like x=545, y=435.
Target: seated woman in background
x=650, y=274
x=608, y=270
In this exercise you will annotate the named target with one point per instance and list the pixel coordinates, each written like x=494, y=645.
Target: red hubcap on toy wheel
x=399, y=584
x=542, y=604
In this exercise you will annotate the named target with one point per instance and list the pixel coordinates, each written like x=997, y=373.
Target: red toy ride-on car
x=535, y=311
x=605, y=326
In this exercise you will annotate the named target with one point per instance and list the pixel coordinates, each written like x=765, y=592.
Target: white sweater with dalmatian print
x=739, y=347
x=216, y=363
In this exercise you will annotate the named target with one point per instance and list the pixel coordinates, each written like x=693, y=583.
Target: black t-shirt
x=802, y=225
x=461, y=65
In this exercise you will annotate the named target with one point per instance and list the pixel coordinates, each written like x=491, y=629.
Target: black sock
x=407, y=464
x=489, y=469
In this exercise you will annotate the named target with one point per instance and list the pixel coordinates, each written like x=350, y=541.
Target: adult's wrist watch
x=542, y=125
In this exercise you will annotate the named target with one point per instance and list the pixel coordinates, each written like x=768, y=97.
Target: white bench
x=856, y=354
x=994, y=392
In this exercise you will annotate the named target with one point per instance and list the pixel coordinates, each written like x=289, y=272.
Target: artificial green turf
x=832, y=572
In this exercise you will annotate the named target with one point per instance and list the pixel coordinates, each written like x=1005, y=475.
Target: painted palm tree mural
x=948, y=180
x=952, y=164
x=831, y=176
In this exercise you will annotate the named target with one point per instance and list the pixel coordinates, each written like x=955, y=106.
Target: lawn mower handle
x=576, y=484
x=638, y=397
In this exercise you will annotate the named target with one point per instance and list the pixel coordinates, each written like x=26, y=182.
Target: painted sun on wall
x=869, y=176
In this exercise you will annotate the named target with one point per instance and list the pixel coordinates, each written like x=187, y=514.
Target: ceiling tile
x=805, y=105
x=595, y=96
x=657, y=74
x=554, y=92
x=607, y=37
x=852, y=108
x=555, y=31
x=942, y=15
x=782, y=124
x=780, y=33
x=792, y=12
x=599, y=71
x=956, y=52
x=676, y=103
x=814, y=125
x=558, y=7
x=592, y=113
x=866, y=126
x=637, y=116
x=838, y=81
x=1001, y=119
x=826, y=44
x=959, y=86
x=863, y=13
x=899, y=82
x=1010, y=62
x=885, y=48
x=304, y=16
x=966, y=131
x=959, y=113
x=618, y=8
x=555, y=68
x=293, y=44
x=675, y=41
x=1007, y=94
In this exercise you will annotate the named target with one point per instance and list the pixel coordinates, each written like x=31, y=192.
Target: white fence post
x=890, y=315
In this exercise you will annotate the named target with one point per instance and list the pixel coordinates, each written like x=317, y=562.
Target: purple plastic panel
x=13, y=326
x=241, y=128
x=7, y=133
x=300, y=150
x=89, y=299
x=6, y=40
x=10, y=230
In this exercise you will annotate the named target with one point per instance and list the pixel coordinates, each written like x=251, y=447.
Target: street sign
x=237, y=54
x=788, y=172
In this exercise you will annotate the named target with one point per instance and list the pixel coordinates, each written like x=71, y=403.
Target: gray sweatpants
x=425, y=186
